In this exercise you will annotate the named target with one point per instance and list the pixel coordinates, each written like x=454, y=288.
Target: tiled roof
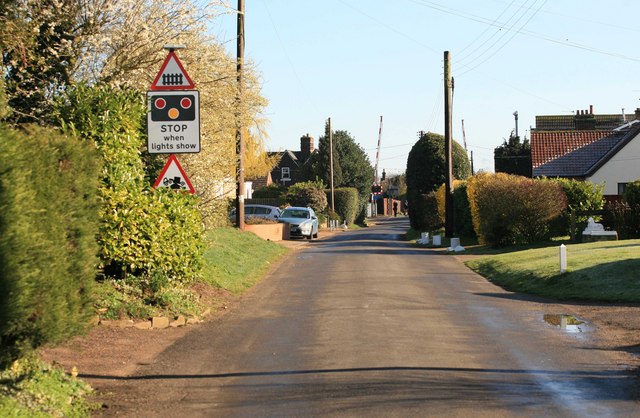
x=586, y=160
x=547, y=146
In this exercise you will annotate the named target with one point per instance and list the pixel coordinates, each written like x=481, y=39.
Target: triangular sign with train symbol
x=174, y=177
x=172, y=75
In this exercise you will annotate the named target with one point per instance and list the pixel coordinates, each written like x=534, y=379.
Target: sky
x=356, y=60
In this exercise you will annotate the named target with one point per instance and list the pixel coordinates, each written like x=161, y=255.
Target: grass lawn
x=235, y=260
x=598, y=272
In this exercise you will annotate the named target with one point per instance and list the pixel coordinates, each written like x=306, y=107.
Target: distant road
x=363, y=325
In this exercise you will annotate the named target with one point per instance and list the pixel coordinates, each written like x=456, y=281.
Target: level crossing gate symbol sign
x=172, y=75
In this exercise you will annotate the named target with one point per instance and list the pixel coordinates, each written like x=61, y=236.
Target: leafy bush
x=146, y=236
x=148, y=232
x=632, y=193
x=581, y=195
x=273, y=191
x=426, y=215
x=48, y=223
x=623, y=218
x=463, y=224
x=508, y=209
x=31, y=388
x=346, y=203
x=308, y=194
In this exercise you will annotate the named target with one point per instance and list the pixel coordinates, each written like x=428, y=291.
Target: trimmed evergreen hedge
x=508, y=209
x=48, y=224
x=346, y=203
x=425, y=213
x=463, y=223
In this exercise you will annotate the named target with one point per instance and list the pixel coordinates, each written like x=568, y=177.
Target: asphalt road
x=361, y=324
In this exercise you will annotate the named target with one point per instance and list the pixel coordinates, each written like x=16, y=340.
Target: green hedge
x=308, y=194
x=632, y=193
x=623, y=218
x=508, y=209
x=146, y=236
x=463, y=223
x=48, y=223
x=346, y=203
x=581, y=195
x=425, y=213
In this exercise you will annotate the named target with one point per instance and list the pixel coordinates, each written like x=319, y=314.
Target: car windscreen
x=295, y=213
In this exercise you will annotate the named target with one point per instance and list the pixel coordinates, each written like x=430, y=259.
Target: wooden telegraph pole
x=333, y=209
x=448, y=141
x=240, y=192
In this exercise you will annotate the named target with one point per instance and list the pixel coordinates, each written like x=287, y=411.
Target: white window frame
x=285, y=173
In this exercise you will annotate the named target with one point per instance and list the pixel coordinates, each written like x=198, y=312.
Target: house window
x=621, y=188
x=286, y=173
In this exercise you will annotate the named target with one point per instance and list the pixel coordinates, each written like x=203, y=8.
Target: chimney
x=306, y=147
x=585, y=120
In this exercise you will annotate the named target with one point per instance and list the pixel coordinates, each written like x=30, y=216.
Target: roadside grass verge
x=33, y=389
x=596, y=272
x=235, y=260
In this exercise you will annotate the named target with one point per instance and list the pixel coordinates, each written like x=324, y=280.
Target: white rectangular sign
x=173, y=122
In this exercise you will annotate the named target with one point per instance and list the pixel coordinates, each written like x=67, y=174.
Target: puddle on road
x=304, y=257
x=566, y=323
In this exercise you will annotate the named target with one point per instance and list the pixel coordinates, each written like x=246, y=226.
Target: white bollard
x=563, y=258
x=455, y=242
x=437, y=240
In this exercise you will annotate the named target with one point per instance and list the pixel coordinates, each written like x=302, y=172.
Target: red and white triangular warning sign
x=172, y=75
x=174, y=177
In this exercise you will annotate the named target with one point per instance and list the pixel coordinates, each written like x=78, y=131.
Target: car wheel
x=310, y=236
x=316, y=234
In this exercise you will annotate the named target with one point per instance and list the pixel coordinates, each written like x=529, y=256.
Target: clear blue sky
x=357, y=60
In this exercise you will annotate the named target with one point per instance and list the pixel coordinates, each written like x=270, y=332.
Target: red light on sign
x=160, y=103
x=185, y=103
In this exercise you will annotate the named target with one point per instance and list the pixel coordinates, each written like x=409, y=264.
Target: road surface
x=364, y=325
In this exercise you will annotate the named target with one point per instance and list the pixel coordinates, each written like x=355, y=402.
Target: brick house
x=290, y=162
x=596, y=148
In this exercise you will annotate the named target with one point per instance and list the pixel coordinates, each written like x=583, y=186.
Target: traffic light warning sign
x=173, y=107
x=173, y=122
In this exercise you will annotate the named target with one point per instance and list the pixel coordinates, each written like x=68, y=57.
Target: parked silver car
x=257, y=211
x=303, y=221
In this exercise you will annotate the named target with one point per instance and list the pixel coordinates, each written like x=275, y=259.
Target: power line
x=508, y=40
x=486, y=29
x=479, y=19
x=498, y=31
